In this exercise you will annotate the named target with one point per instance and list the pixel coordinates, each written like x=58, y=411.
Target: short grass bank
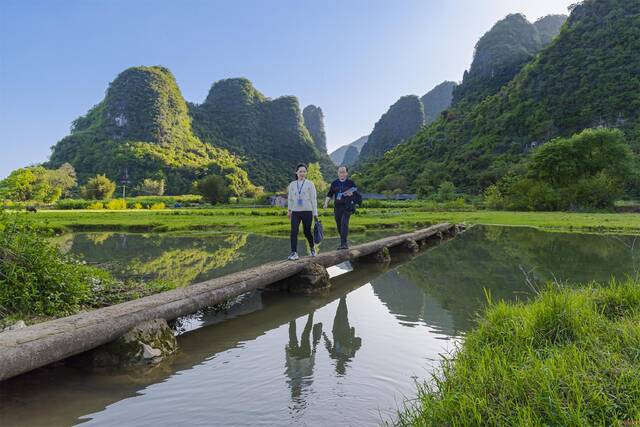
x=274, y=220
x=571, y=357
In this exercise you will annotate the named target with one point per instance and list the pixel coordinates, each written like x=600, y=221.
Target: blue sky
x=353, y=58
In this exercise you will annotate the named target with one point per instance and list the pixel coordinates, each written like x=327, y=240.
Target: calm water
x=347, y=357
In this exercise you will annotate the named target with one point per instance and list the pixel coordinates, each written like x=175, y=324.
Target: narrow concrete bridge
x=38, y=345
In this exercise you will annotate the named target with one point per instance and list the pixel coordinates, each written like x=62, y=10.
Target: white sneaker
x=293, y=256
x=313, y=252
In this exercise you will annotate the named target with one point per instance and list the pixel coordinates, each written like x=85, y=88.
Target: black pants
x=342, y=216
x=306, y=217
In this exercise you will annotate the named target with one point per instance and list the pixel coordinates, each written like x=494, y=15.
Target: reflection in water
x=181, y=260
x=231, y=372
x=445, y=287
x=345, y=343
x=300, y=359
x=413, y=307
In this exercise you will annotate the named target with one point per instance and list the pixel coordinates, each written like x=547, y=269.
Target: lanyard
x=341, y=185
x=300, y=188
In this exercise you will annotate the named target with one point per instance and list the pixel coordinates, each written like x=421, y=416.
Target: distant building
x=280, y=200
x=375, y=196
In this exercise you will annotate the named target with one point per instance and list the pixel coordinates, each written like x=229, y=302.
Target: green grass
x=571, y=357
x=274, y=220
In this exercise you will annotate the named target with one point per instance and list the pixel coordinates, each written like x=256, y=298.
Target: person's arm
x=289, y=200
x=329, y=196
x=326, y=202
x=314, y=200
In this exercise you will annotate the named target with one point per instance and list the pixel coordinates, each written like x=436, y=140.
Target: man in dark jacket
x=342, y=189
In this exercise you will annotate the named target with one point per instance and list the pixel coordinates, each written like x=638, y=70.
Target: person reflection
x=300, y=358
x=345, y=343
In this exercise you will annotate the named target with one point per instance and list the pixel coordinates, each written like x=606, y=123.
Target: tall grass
x=571, y=357
x=38, y=282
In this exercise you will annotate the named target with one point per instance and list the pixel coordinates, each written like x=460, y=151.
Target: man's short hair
x=344, y=166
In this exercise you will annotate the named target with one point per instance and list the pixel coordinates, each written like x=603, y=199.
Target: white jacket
x=307, y=194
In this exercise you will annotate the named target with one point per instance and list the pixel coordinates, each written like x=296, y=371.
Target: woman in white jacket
x=303, y=207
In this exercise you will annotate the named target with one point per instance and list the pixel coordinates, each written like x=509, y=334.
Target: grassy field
x=274, y=220
x=571, y=357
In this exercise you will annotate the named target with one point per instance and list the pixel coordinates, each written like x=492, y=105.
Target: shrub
x=529, y=194
x=157, y=206
x=599, y=191
x=213, y=189
x=446, y=192
x=35, y=278
x=96, y=205
x=116, y=204
x=98, y=188
x=151, y=187
x=72, y=204
x=493, y=197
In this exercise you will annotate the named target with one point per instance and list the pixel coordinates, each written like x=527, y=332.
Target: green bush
x=446, y=192
x=98, y=188
x=213, y=189
x=150, y=187
x=116, y=204
x=493, y=197
x=599, y=191
x=72, y=204
x=528, y=194
x=35, y=279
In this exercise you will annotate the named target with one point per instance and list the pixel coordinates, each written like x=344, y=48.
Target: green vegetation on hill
x=401, y=121
x=142, y=126
x=568, y=358
x=548, y=27
x=586, y=77
x=502, y=52
x=437, y=100
x=314, y=122
x=268, y=134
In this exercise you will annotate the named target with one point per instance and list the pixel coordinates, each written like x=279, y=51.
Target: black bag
x=318, y=231
x=352, y=201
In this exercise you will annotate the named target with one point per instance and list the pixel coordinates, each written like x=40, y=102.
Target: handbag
x=318, y=231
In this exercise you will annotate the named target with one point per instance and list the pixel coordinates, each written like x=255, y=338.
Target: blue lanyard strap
x=300, y=188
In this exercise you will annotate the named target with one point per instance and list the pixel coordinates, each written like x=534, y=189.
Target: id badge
x=300, y=202
x=338, y=196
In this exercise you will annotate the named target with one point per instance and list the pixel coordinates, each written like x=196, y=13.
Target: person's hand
x=348, y=193
x=324, y=206
x=289, y=214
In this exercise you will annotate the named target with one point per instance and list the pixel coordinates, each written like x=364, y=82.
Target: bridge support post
x=411, y=246
x=313, y=278
x=383, y=256
x=147, y=343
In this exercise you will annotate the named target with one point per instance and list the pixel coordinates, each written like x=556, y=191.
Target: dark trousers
x=342, y=216
x=296, y=217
